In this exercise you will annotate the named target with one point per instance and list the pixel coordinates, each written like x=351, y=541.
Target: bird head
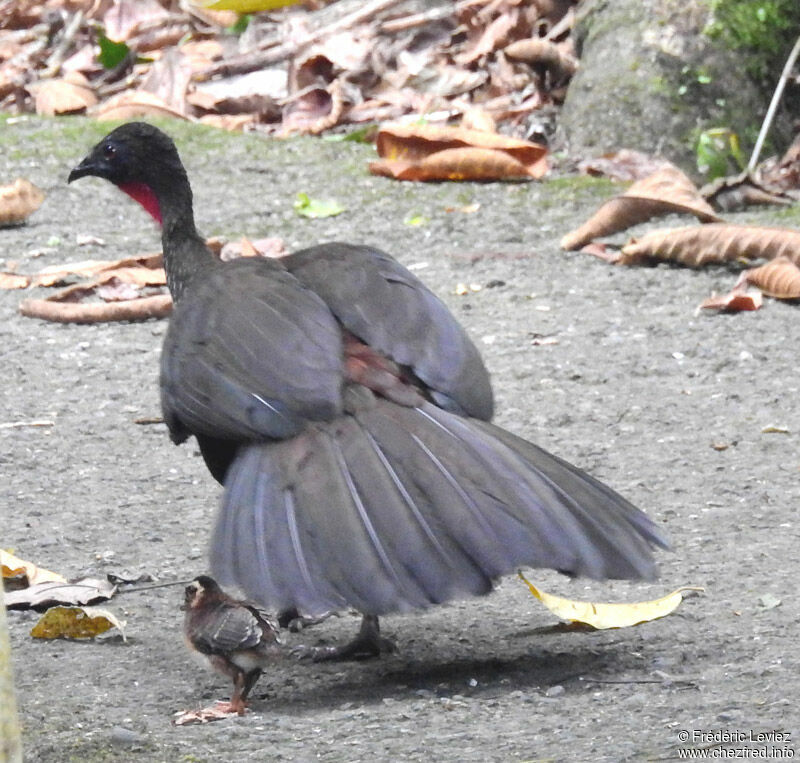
x=139, y=159
x=199, y=591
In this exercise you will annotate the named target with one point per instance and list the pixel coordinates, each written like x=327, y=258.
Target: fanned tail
x=389, y=509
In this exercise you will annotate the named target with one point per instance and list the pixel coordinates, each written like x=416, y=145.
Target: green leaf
x=244, y=6
x=242, y=22
x=313, y=208
x=111, y=53
x=364, y=134
x=718, y=149
x=416, y=220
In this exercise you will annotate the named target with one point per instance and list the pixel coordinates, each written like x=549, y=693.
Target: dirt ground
x=694, y=417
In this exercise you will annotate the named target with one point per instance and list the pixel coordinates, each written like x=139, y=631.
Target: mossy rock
x=655, y=73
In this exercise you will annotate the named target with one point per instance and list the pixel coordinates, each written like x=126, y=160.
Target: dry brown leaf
x=145, y=270
x=730, y=194
x=229, y=122
x=60, y=96
x=168, y=79
x=715, y=242
x=18, y=200
x=418, y=141
x=666, y=191
x=779, y=278
x=601, y=251
x=261, y=247
x=733, y=302
x=26, y=572
x=14, y=281
x=454, y=164
x=549, y=54
x=124, y=17
x=623, y=165
x=198, y=54
x=134, y=105
x=51, y=593
x=494, y=36
x=476, y=118
x=217, y=712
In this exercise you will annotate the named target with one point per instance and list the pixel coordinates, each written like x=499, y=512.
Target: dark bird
x=235, y=637
x=346, y=412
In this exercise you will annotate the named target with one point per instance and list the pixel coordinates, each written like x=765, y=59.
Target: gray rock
x=651, y=79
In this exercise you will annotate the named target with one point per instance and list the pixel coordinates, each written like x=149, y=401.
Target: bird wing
x=250, y=354
x=228, y=627
x=393, y=312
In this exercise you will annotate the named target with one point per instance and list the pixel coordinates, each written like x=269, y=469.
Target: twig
x=773, y=105
x=145, y=420
x=251, y=61
x=415, y=20
x=151, y=587
x=632, y=681
x=20, y=424
x=57, y=56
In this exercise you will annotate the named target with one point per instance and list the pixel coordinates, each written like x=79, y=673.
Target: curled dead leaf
x=734, y=301
x=26, y=573
x=666, y=191
x=476, y=118
x=18, y=201
x=779, y=278
x=145, y=270
x=134, y=105
x=413, y=142
x=262, y=247
x=605, y=615
x=59, y=309
x=729, y=194
x=51, y=593
x=75, y=623
x=14, y=281
x=60, y=96
x=538, y=50
x=454, y=164
x=715, y=242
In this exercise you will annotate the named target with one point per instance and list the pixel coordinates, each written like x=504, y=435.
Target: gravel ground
x=693, y=417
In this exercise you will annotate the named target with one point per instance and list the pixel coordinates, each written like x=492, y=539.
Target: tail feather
x=391, y=508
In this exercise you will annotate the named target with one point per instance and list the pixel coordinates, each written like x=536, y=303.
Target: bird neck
x=185, y=251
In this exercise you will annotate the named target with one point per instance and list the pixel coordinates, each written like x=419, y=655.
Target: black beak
x=87, y=167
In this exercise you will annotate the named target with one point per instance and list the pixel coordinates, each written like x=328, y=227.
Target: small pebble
x=122, y=736
x=555, y=691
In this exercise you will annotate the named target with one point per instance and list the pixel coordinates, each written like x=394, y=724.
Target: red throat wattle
x=143, y=193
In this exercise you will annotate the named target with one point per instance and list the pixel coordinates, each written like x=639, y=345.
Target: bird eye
x=109, y=151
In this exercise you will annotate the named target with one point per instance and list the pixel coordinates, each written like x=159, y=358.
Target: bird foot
x=296, y=622
x=367, y=644
x=220, y=710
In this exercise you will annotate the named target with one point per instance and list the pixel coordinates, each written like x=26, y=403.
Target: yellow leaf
x=603, y=615
x=244, y=6
x=75, y=622
x=13, y=566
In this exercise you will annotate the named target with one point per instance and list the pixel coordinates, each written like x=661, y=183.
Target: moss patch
x=763, y=32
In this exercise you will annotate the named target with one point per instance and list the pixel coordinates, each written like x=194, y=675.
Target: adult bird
x=346, y=412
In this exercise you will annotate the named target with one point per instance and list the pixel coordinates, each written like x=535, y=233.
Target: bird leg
x=367, y=643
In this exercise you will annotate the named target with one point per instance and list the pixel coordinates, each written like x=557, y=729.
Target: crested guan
x=346, y=413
